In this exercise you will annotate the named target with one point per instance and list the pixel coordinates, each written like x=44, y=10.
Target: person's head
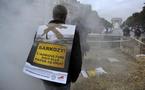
x=59, y=12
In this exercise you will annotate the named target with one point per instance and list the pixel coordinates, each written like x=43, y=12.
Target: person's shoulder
x=57, y=22
x=77, y=32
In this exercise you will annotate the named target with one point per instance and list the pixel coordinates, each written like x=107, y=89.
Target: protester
x=137, y=33
x=59, y=17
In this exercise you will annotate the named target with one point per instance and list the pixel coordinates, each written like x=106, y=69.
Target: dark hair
x=59, y=12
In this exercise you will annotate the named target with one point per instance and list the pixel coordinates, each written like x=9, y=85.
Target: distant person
x=137, y=33
x=126, y=31
x=59, y=17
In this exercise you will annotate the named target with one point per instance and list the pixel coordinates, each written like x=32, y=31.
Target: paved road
x=112, y=60
x=107, y=54
x=117, y=65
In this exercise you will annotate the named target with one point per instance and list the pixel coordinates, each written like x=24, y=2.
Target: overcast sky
x=115, y=8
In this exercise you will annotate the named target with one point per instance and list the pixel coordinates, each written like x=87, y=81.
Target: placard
x=49, y=56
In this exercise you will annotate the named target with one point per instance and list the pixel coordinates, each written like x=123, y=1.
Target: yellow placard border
x=51, y=65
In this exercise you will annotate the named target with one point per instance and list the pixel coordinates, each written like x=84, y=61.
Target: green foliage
x=106, y=23
x=137, y=19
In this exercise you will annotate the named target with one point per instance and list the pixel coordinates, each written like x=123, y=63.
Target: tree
x=106, y=23
x=136, y=20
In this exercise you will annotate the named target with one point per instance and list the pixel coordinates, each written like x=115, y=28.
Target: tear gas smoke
x=19, y=20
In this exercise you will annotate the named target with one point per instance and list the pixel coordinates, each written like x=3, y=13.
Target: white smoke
x=18, y=23
x=19, y=20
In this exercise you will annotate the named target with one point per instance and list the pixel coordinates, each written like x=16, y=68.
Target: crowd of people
x=136, y=31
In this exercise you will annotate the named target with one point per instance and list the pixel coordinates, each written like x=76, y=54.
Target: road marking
x=112, y=60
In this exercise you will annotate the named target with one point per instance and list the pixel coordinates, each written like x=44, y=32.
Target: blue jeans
x=56, y=86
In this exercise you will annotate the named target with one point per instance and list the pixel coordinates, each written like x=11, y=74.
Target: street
x=123, y=71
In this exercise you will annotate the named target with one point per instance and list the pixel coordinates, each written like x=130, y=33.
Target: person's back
x=59, y=16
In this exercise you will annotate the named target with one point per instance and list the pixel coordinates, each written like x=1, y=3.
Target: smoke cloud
x=18, y=23
x=19, y=20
